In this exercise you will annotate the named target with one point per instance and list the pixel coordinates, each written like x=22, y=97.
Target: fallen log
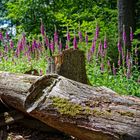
x=77, y=109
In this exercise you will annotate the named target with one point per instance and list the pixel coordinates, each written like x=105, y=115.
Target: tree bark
x=74, y=108
x=126, y=17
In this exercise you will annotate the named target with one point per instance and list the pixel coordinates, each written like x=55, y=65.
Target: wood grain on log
x=77, y=109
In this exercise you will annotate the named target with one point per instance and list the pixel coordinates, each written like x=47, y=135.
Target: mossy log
x=85, y=112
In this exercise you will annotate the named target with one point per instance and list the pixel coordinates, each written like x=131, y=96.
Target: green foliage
x=22, y=65
x=119, y=83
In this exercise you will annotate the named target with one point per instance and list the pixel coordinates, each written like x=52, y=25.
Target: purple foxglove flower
x=86, y=38
x=39, y=45
x=23, y=40
x=17, y=53
x=131, y=34
x=1, y=36
x=119, y=46
x=68, y=35
x=7, y=36
x=119, y=62
x=80, y=36
x=124, y=35
x=20, y=46
x=89, y=56
x=114, y=69
x=11, y=44
x=42, y=30
x=34, y=45
x=75, y=42
x=52, y=46
x=97, y=32
x=105, y=43
x=93, y=46
x=55, y=37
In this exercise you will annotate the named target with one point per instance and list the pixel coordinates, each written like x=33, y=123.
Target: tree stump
x=70, y=64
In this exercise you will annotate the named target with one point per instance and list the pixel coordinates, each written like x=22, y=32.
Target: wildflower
x=7, y=36
x=11, y=44
x=80, y=36
x=119, y=62
x=93, y=46
x=1, y=36
x=23, y=39
x=97, y=32
x=52, y=46
x=55, y=37
x=105, y=43
x=20, y=46
x=17, y=53
x=131, y=34
x=75, y=42
x=34, y=45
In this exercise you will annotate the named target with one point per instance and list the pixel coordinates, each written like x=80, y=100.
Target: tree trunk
x=126, y=17
x=77, y=109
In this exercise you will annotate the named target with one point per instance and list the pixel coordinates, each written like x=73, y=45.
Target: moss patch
x=66, y=107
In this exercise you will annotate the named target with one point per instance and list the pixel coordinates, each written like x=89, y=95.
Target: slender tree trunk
x=126, y=17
